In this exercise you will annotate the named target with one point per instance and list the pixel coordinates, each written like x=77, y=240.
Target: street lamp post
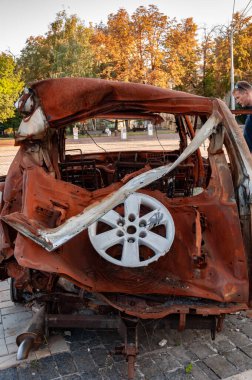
x=231, y=42
x=231, y=28
x=232, y=100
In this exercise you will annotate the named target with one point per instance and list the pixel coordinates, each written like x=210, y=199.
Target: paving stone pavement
x=86, y=354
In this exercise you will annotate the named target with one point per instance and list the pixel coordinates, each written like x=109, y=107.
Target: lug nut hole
x=142, y=223
x=142, y=234
x=120, y=222
x=131, y=217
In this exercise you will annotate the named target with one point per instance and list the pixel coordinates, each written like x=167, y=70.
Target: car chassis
x=126, y=235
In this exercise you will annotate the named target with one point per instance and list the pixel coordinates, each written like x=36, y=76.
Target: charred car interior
x=124, y=236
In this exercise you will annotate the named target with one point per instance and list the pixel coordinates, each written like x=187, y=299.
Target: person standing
x=243, y=96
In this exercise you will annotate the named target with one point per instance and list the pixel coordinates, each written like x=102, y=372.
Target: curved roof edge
x=67, y=100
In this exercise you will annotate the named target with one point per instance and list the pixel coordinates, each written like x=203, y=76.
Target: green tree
x=242, y=40
x=11, y=124
x=65, y=50
x=10, y=86
x=35, y=59
x=146, y=47
x=206, y=81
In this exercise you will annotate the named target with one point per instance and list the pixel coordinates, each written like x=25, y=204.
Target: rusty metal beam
x=82, y=321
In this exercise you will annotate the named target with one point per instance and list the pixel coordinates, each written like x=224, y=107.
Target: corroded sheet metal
x=53, y=238
x=220, y=273
x=146, y=310
x=97, y=96
x=34, y=125
x=207, y=260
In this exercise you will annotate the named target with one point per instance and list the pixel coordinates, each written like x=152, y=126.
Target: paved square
x=86, y=354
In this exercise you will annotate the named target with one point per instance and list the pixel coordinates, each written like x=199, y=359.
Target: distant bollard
x=75, y=133
x=108, y=131
x=150, y=129
x=124, y=133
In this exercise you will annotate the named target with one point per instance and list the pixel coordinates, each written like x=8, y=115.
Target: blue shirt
x=247, y=133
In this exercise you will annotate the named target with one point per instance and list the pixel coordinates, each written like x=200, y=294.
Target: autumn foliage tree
x=131, y=48
x=149, y=28
x=146, y=47
x=182, y=54
x=113, y=46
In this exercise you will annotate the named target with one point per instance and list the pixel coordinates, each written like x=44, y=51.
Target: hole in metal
x=121, y=222
x=131, y=230
x=142, y=234
x=142, y=223
x=120, y=233
x=132, y=217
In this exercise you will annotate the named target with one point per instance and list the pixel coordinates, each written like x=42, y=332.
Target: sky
x=20, y=19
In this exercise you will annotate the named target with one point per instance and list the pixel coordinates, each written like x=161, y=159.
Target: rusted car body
x=129, y=235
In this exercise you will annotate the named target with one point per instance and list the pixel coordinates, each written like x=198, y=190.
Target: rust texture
x=77, y=99
x=88, y=268
x=208, y=259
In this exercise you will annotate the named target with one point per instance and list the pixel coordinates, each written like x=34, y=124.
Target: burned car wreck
x=126, y=235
